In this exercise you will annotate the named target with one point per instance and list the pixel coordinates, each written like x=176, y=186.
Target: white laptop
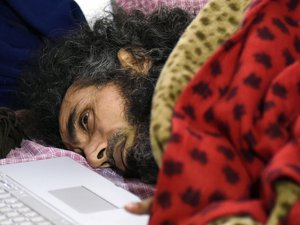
x=62, y=191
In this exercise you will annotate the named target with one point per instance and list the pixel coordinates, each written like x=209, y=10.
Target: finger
x=140, y=208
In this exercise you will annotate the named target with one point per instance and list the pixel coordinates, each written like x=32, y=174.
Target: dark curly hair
x=90, y=55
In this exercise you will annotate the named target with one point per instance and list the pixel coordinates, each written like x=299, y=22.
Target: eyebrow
x=71, y=125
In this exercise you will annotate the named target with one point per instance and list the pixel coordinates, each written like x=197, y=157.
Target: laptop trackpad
x=82, y=199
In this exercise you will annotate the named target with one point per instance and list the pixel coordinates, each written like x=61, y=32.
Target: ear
x=135, y=60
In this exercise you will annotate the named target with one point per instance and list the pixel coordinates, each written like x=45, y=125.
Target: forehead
x=75, y=96
x=79, y=95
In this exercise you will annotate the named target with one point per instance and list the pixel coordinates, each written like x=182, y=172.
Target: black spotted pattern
x=274, y=131
x=265, y=33
x=209, y=115
x=224, y=128
x=232, y=93
x=288, y=57
x=213, y=134
x=231, y=176
x=239, y=111
x=164, y=199
x=281, y=119
x=202, y=89
x=297, y=44
x=248, y=155
x=199, y=156
x=267, y=105
x=252, y=80
x=178, y=115
x=259, y=18
x=216, y=68
x=227, y=45
x=223, y=90
x=293, y=4
x=189, y=111
x=172, y=167
x=227, y=152
x=281, y=26
x=264, y=59
x=248, y=136
x=290, y=21
x=191, y=197
x=279, y=90
x=217, y=196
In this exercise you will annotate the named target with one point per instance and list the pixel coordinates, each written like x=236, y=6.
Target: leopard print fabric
x=235, y=221
x=287, y=194
x=214, y=24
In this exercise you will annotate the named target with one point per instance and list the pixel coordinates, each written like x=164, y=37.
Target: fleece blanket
x=214, y=24
x=236, y=126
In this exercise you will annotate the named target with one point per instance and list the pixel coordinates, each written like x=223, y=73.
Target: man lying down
x=76, y=89
x=91, y=93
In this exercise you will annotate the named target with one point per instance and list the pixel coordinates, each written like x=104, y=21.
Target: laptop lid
x=75, y=191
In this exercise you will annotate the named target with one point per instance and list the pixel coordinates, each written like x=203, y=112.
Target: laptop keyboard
x=17, y=206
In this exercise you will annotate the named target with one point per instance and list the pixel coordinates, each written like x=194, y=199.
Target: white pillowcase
x=93, y=9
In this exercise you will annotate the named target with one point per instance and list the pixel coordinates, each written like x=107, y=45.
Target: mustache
x=115, y=139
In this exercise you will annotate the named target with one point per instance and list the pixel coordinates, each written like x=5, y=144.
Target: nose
x=96, y=156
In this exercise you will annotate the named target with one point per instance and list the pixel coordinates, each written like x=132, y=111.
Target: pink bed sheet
x=31, y=150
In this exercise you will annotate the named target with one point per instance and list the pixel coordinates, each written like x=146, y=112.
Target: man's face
x=92, y=121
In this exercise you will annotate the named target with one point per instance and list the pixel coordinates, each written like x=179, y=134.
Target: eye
x=84, y=121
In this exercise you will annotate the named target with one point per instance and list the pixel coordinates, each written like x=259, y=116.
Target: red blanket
x=236, y=127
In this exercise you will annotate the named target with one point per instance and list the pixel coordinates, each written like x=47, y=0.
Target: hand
x=140, y=208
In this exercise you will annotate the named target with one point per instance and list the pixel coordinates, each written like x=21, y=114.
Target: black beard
x=116, y=137
x=139, y=161
x=138, y=92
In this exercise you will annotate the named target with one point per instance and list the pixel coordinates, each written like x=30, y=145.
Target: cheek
x=112, y=119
